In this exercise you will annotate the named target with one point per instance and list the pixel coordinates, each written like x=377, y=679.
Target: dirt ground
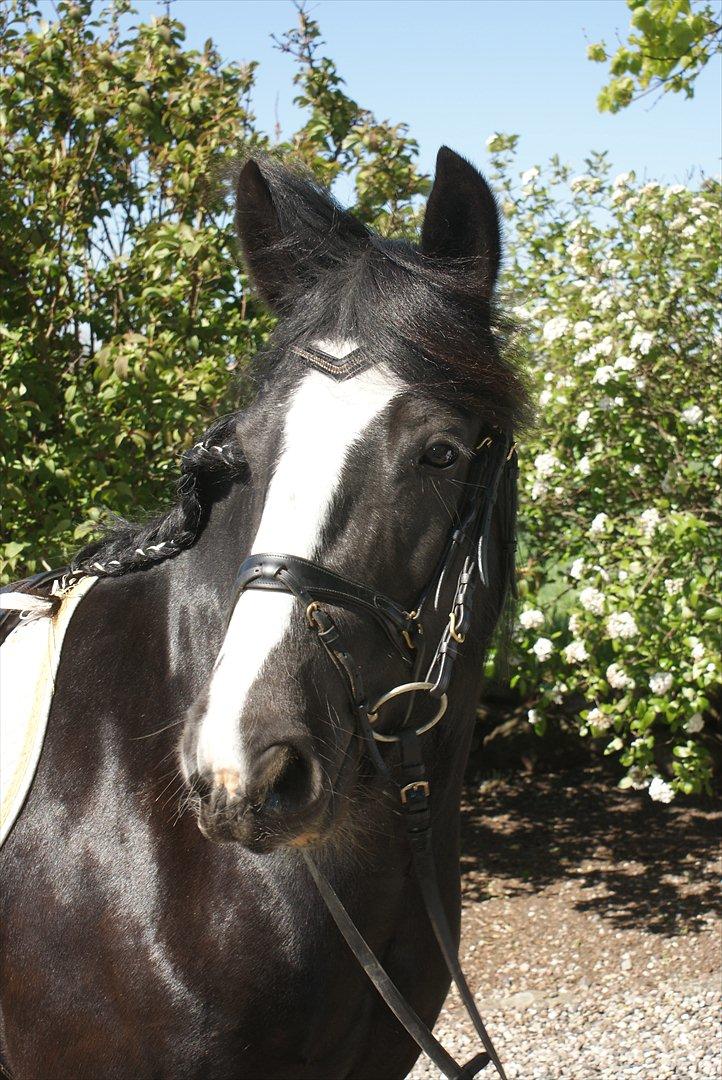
x=591, y=930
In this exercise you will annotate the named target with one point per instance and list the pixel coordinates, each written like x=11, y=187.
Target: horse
x=211, y=759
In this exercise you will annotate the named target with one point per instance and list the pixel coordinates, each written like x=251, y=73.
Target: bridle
x=315, y=587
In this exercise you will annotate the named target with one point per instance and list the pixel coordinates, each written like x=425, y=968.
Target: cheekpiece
x=338, y=368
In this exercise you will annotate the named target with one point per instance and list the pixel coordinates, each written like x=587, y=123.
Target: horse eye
x=440, y=455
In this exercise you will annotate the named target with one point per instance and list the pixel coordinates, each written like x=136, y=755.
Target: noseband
x=494, y=464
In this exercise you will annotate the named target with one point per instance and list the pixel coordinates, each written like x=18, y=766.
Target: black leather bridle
x=317, y=588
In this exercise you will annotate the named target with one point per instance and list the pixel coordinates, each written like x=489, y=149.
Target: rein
x=494, y=463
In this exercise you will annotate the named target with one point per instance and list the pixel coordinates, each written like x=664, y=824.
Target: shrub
x=621, y=547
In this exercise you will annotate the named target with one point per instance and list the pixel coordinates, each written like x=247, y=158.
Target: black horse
x=133, y=946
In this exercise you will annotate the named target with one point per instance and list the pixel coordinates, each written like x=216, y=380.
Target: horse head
x=382, y=386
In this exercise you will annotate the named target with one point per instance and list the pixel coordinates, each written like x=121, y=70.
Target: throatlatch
x=494, y=463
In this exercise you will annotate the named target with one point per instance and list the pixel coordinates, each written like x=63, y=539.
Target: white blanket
x=29, y=659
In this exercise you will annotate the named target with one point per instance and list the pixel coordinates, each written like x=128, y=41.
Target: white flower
x=530, y=175
x=692, y=415
x=545, y=397
x=539, y=489
x=532, y=619
x=555, y=328
x=583, y=330
x=599, y=524
x=674, y=585
x=660, y=791
x=583, y=419
x=698, y=650
x=660, y=682
x=603, y=374
x=646, y=230
x=533, y=716
x=583, y=466
x=542, y=648
x=586, y=183
x=592, y=600
x=625, y=363
x=618, y=678
x=695, y=724
x=622, y=179
x=676, y=189
x=545, y=464
x=717, y=462
x=576, y=569
x=642, y=341
x=598, y=719
x=649, y=520
x=621, y=624
x=575, y=624
x=575, y=652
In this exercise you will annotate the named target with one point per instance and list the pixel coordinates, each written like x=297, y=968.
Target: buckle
x=418, y=786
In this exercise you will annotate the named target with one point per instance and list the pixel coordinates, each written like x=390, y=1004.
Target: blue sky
x=456, y=70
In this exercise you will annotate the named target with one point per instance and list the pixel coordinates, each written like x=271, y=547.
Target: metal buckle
x=313, y=606
x=413, y=615
x=416, y=785
x=461, y=638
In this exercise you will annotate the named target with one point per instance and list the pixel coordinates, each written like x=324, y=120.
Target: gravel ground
x=591, y=932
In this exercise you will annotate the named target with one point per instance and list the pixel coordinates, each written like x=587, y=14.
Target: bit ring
x=398, y=691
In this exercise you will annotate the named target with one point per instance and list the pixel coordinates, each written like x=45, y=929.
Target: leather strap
x=415, y=801
x=386, y=987
x=261, y=571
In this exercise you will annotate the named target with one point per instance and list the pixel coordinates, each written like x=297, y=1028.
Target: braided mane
x=126, y=546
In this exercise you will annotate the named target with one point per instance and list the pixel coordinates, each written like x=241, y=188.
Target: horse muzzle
x=280, y=799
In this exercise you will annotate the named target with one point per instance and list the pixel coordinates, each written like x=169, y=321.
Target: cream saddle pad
x=29, y=659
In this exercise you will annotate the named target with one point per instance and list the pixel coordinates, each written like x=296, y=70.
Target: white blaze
x=324, y=420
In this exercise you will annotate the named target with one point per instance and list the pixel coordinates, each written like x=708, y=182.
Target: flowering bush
x=620, y=540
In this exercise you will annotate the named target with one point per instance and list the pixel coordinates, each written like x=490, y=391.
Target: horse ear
x=291, y=229
x=259, y=231
x=462, y=218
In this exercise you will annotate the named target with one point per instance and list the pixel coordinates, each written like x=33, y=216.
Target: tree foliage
x=669, y=43
x=122, y=305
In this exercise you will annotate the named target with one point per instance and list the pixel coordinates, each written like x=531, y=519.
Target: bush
x=621, y=548
x=122, y=303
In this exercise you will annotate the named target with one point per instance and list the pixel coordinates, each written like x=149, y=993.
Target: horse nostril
x=286, y=778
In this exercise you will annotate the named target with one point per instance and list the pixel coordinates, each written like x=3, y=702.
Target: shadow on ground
x=634, y=862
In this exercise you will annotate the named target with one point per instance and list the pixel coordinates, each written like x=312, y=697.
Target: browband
x=338, y=368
